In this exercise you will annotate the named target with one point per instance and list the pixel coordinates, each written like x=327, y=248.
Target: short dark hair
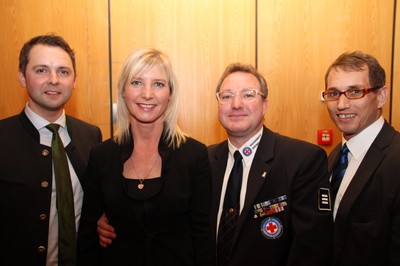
x=49, y=40
x=246, y=68
x=357, y=61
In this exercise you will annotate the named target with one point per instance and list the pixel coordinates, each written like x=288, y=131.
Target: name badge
x=324, y=199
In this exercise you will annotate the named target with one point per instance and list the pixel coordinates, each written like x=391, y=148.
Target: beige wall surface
x=396, y=74
x=84, y=25
x=297, y=42
x=200, y=37
x=292, y=42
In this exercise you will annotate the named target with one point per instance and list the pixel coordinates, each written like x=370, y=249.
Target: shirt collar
x=359, y=144
x=39, y=122
x=248, y=149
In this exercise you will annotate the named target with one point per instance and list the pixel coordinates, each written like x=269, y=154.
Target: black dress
x=165, y=223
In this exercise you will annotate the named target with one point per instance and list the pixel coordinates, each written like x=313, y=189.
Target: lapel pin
x=247, y=151
x=264, y=174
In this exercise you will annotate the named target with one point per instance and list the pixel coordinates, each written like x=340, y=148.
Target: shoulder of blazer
x=14, y=122
x=382, y=140
x=215, y=151
x=27, y=124
x=274, y=144
x=385, y=137
x=77, y=128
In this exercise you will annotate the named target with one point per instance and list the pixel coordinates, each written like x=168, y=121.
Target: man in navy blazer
x=285, y=213
x=367, y=206
x=28, y=224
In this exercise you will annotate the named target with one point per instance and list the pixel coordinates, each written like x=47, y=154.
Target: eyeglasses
x=334, y=95
x=246, y=95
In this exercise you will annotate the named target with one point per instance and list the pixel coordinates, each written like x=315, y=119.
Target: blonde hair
x=138, y=62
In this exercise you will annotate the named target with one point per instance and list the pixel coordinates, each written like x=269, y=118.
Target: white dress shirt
x=45, y=139
x=247, y=160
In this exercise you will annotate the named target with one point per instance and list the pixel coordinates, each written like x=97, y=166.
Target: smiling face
x=50, y=79
x=242, y=120
x=353, y=116
x=147, y=96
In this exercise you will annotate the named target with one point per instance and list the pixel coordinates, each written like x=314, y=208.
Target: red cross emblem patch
x=271, y=228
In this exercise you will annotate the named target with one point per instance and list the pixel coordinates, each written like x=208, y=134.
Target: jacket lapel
x=258, y=174
x=371, y=161
x=218, y=160
x=333, y=157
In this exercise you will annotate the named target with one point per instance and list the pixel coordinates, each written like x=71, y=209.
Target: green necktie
x=65, y=201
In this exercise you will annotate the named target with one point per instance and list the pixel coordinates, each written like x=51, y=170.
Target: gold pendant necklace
x=141, y=185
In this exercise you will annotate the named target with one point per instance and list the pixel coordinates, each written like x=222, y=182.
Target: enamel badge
x=271, y=228
x=247, y=151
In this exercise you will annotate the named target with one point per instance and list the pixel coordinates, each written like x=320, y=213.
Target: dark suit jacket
x=26, y=182
x=170, y=228
x=293, y=168
x=367, y=225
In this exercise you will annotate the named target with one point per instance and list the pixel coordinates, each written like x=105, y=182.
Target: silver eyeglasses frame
x=246, y=95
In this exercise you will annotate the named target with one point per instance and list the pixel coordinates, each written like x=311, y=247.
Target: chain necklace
x=141, y=185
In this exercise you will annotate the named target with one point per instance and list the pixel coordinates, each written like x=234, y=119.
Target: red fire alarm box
x=325, y=136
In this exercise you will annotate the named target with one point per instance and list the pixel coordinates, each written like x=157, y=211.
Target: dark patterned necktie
x=230, y=212
x=65, y=201
x=339, y=170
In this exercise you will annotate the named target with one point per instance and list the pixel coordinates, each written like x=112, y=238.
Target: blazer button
x=42, y=217
x=41, y=249
x=44, y=184
x=45, y=152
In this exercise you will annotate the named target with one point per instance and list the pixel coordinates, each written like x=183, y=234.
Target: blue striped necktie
x=339, y=170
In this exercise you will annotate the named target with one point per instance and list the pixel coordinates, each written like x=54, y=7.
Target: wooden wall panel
x=396, y=74
x=299, y=39
x=84, y=25
x=200, y=37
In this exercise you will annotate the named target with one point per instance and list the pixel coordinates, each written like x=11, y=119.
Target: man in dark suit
x=284, y=211
x=29, y=221
x=367, y=206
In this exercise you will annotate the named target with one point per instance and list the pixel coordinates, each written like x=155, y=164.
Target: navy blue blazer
x=26, y=182
x=367, y=224
x=293, y=173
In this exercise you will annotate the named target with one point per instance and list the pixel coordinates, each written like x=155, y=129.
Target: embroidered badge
x=271, y=228
x=324, y=199
x=270, y=206
x=247, y=151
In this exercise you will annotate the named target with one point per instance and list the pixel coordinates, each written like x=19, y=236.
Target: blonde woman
x=151, y=180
